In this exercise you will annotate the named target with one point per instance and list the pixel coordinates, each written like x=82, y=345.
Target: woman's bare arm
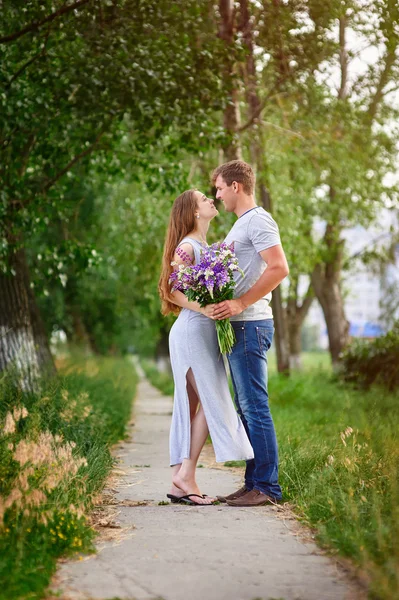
x=179, y=298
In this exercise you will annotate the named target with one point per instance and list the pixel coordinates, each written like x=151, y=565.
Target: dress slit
x=193, y=345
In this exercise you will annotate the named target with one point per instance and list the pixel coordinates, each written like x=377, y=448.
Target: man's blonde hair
x=239, y=171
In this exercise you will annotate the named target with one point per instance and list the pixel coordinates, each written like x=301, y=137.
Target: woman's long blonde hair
x=181, y=222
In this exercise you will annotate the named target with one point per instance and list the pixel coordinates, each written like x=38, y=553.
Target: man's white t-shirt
x=254, y=231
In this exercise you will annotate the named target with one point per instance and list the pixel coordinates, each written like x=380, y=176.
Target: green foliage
x=96, y=104
x=54, y=459
x=377, y=361
x=162, y=381
x=112, y=296
x=328, y=140
x=109, y=111
x=82, y=80
x=234, y=463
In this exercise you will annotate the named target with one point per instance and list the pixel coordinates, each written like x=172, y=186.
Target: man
x=258, y=248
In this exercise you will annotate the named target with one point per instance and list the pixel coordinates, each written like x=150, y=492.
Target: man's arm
x=277, y=270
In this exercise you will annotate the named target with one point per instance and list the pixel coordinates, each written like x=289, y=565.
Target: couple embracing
x=202, y=401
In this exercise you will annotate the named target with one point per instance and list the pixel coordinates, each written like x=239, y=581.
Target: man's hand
x=228, y=308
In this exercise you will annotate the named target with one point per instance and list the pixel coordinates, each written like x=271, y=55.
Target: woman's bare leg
x=184, y=478
x=194, y=404
x=193, y=399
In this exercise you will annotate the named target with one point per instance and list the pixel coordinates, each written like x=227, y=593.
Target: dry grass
x=54, y=459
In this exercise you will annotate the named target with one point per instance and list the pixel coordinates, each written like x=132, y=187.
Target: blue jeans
x=248, y=367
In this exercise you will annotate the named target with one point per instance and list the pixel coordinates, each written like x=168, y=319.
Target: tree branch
x=245, y=26
x=261, y=108
x=307, y=302
x=395, y=88
x=73, y=162
x=226, y=23
x=343, y=59
x=22, y=69
x=37, y=24
x=30, y=61
x=27, y=149
x=389, y=61
x=364, y=249
x=283, y=129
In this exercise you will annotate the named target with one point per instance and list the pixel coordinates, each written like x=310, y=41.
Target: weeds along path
x=173, y=552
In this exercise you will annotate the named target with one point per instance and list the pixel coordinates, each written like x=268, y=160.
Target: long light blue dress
x=193, y=344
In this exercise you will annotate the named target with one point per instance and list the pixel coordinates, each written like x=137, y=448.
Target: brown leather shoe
x=252, y=498
x=234, y=495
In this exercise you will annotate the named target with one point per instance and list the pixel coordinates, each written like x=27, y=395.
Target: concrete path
x=175, y=552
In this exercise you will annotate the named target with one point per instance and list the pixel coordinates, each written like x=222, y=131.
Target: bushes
x=54, y=458
x=365, y=363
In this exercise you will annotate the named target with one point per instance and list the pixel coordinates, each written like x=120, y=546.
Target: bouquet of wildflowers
x=209, y=282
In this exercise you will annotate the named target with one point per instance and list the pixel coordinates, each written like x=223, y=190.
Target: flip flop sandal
x=187, y=500
x=175, y=499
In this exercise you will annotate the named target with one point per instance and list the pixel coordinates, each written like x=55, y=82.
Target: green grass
x=162, y=381
x=311, y=361
x=339, y=465
x=234, y=463
x=49, y=483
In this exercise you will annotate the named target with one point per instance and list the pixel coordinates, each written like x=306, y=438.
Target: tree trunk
x=328, y=292
x=23, y=340
x=257, y=155
x=295, y=314
x=281, y=334
x=77, y=333
x=294, y=334
x=162, y=357
x=326, y=281
x=280, y=323
x=231, y=117
x=326, y=276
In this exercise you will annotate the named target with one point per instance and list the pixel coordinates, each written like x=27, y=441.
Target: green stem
x=226, y=336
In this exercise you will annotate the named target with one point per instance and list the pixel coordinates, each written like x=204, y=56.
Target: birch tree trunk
x=23, y=340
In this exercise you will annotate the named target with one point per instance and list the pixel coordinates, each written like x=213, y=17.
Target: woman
x=202, y=401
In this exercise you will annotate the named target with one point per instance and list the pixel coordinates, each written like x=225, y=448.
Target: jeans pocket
x=265, y=338
x=239, y=333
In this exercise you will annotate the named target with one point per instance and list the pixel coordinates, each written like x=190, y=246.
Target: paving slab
x=175, y=552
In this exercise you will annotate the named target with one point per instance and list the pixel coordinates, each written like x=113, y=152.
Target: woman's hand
x=208, y=310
